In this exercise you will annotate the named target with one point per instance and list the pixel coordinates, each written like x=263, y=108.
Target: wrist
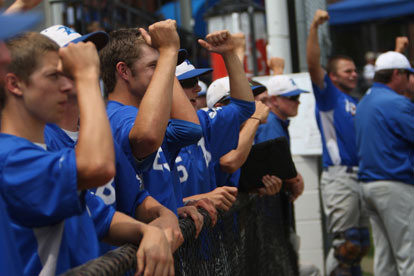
x=256, y=118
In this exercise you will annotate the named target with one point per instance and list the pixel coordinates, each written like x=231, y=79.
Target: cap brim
x=100, y=39
x=13, y=24
x=194, y=73
x=411, y=70
x=294, y=93
x=258, y=89
x=182, y=55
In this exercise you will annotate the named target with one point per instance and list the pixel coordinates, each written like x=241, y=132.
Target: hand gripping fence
x=252, y=238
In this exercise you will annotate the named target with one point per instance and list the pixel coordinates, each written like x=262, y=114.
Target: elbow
x=229, y=166
x=145, y=145
x=98, y=173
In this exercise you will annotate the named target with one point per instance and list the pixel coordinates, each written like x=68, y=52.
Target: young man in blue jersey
x=125, y=191
x=149, y=114
x=54, y=226
x=384, y=133
x=284, y=103
x=335, y=111
x=220, y=125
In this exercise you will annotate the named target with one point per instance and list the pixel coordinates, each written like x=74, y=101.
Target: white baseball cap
x=187, y=71
x=284, y=86
x=392, y=60
x=63, y=35
x=219, y=90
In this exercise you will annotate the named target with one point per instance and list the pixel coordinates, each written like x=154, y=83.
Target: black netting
x=250, y=239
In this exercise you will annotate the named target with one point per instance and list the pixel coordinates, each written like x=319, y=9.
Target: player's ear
x=13, y=85
x=123, y=70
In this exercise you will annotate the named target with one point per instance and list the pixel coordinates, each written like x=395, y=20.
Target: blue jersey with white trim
x=161, y=180
x=385, y=136
x=335, y=112
x=220, y=135
x=123, y=193
x=272, y=129
x=54, y=228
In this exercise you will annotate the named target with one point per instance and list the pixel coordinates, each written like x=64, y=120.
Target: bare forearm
x=313, y=54
x=182, y=108
x=150, y=209
x=124, y=229
x=95, y=156
x=233, y=160
x=155, y=108
x=239, y=85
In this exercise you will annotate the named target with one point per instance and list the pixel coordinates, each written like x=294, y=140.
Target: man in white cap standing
x=283, y=102
x=385, y=141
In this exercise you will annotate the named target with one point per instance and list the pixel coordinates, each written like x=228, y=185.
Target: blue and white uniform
x=123, y=193
x=385, y=141
x=341, y=194
x=161, y=180
x=335, y=113
x=53, y=229
x=221, y=127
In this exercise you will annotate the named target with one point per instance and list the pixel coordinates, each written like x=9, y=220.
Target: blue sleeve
x=221, y=126
x=245, y=109
x=100, y=213
x=122, y=122
x=180, y=134
x=325, y=97
x=40, y=187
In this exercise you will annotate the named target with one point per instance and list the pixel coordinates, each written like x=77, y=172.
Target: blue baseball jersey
x=10, y=261
x=196, y=163
x=385, y=136
x=125, y=192
x=49, y=218
x=272, y=129
x=161, y=180
x=335, y=112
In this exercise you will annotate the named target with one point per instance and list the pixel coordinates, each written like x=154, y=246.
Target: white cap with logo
x=284, y=86
x=63, y=35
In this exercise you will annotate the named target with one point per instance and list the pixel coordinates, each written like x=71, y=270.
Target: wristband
x=260, y=121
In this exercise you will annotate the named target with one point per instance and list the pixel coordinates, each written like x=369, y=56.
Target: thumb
x=145, y=35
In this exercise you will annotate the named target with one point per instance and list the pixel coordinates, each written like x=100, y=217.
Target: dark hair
x=332, y=65
x=385, y=76
x=26, y=52
x=124, y=45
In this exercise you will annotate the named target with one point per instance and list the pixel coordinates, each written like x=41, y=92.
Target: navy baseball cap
x=257, y=88
x=13, y=24
x=187, y=71
x=182, y=55
x=63, y=35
